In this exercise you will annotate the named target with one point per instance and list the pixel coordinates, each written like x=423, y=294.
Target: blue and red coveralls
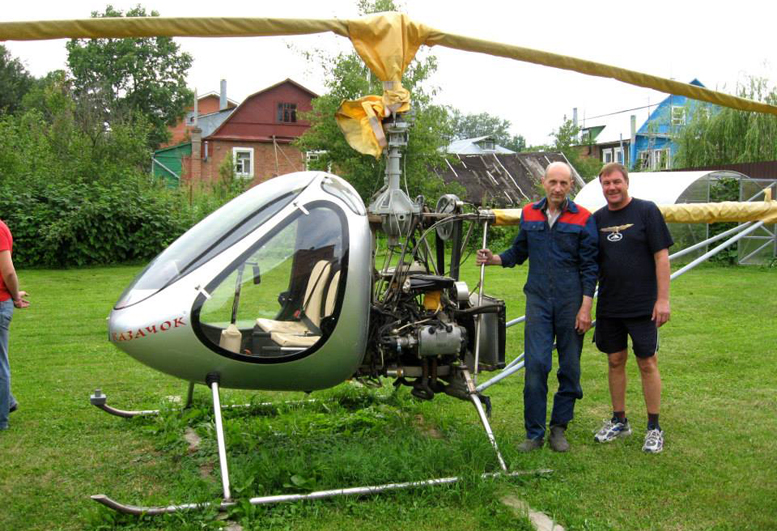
x=562, y=268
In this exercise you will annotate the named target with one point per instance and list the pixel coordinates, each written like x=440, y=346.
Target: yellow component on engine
x=432, y=300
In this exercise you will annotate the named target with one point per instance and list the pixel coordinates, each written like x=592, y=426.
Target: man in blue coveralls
x=560, y=240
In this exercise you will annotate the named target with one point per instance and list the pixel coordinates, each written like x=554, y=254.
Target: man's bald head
x=559, y=169
x=557, y=182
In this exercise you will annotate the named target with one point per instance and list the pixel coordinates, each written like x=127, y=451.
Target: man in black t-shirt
x=634, y=246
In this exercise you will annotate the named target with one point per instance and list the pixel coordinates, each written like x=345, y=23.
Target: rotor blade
x=593, y=68
x=121, y=27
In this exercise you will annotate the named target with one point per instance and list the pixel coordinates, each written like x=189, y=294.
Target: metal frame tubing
x=517, y=360
x=189, y=396
x=473, y=395
x=708, y=241
x=318, y=495
x=716, y=250
x=501, y=376
x=214, y=385
x=480, y=302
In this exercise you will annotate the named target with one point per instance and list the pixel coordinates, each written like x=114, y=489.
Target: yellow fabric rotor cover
x=386, y=42
x=507, y=216
x=360, y=121
x=765, y=211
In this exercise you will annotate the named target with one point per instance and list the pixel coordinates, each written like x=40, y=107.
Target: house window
x=487, y=145
x=607, y=156
x=655, y=159
x=287, y=112
x=618, y=152
x=243, y=159
x=311, y=158
x=678, y=115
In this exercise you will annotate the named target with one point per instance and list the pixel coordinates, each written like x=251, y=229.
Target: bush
x=63, y=225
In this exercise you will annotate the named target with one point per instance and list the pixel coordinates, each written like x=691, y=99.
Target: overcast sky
x=720, y=43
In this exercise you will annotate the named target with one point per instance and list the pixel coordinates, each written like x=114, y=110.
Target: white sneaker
x=612, y=430
x=654, y=441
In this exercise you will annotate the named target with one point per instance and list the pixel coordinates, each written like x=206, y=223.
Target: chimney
x=633, y=128
x=223, y=96
x=196, y=110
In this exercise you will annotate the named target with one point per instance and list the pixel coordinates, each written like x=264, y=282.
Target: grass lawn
x=718, y=471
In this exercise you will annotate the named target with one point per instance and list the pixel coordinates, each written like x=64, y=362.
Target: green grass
x=719, y=365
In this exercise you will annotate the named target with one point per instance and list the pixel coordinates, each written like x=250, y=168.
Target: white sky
x=717, y=42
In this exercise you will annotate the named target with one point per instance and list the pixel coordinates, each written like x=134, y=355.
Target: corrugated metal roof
x=501, y=180
x=469, y=146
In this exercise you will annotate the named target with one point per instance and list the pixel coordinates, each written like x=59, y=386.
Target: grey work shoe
x=530, y=445
x=558, y=441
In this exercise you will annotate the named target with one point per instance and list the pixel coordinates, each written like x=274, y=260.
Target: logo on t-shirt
x=615, y=232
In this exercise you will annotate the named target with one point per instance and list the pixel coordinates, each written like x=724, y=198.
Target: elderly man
x=560, y=240
x=633, y=298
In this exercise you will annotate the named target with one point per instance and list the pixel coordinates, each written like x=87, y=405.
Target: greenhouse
x=670, y=188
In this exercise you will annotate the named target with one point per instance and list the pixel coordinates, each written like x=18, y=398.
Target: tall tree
x=126, y=78
x=565, y=140
x=348, y=78
x=727, y=136
x=15, y=81
x=484, y=124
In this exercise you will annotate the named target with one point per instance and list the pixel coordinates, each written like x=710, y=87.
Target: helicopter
x=285, y=287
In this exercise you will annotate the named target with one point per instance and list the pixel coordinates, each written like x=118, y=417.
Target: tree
x=484, y=124
x=15, y=81
x=727, y=136
x=348, y=78
x=565, y=138
x=126, y=78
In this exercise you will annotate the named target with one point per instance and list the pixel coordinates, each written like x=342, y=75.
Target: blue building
x=653, y=147
x=616, y=138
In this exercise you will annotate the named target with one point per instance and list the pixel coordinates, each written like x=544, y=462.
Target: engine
x=422, y=332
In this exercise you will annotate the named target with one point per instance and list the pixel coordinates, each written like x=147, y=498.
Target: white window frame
x=242, y=174
x=617, y=155
x=660, y=159
x=678, y=115
x=312, y=156
x=607, y=155
x=645, y=160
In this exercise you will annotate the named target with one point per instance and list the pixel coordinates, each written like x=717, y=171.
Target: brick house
x=257, y=134
x=211, y=104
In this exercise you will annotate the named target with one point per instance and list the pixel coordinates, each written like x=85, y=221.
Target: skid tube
x=99, y=400
x=318, y=495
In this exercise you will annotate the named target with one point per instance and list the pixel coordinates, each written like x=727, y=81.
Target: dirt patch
x=194, y=440
x=423, y=426
x=206, y=470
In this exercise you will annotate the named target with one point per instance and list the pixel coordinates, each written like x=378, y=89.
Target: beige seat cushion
x=314, y=296
x=292, y=340
x=283, y=327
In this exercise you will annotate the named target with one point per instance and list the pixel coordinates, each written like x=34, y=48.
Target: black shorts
x=611, y=334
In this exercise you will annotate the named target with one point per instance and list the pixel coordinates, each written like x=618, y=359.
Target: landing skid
x=317, y=495
x=99, y=399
